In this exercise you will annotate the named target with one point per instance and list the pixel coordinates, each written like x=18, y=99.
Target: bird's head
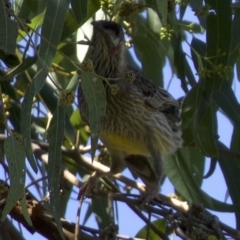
x=108, y=34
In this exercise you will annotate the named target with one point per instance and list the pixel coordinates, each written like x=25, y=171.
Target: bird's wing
x=154, y=96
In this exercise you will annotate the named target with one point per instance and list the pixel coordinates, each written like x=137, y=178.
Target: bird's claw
x=149, y=195
x=87, y=187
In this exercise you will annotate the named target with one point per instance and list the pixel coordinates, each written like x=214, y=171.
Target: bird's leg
x=89, y=184
x=117, y=166
x=118, y=163
x=154, y=189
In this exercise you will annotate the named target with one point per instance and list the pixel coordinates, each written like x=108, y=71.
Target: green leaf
x=36, y=23
x=79, y=9
x=73, y=83
x=193, y=160
x=17, y=171
x=198, y=51
x=235, y=141
x=197, y=5
x=182, y=173
x=218, y=24
x=162, y=9
x=212, y=238
x=238, y=68
x=231, y=172
x=101, y=212
x=182, y=9
x=191, y=27
x=71, y=25
x=146, y=231
x=88, y=213
x=235, y=40
x=23, y=203
x=26, y=113
x=95, y=97
x=78, y=123
x=235, y=147
x=147, y=52
x=205, y=128
x=9, y=31
x=212, y=168
x=180, y=63
x=228, y=102
x=199, y=121
x=55, y=136
x=189, y=74
x=24, y=65
x=51, y=30
x=51, y=101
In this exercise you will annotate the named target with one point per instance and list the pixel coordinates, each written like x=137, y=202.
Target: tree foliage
x=44, y=153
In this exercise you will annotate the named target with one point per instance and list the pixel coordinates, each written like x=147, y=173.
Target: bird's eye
x=117, y=32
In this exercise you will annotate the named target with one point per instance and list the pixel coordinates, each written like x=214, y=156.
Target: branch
x=174, y=210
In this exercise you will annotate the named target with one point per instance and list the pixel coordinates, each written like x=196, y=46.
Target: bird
x=142, y=121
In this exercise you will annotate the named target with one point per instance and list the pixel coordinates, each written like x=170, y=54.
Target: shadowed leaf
x=17, y=170
x=94, y=94
x=56, y=132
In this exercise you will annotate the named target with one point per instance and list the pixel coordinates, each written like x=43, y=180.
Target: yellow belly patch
x=122, y=143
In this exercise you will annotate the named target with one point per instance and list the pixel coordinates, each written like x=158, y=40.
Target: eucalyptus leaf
x=55, y=136
x=183, y=178
x=231, y=171
x=51, y=30
x=26, y=113
x=79, y=9
x=17, y=171
x=95, y=97
x=101, y=212
x=9, y=30
x=147, y=233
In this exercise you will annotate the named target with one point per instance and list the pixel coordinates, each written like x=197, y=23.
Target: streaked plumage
x=141, y=119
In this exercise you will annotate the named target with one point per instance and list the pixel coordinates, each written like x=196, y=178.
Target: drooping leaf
x=198, y=52
x=182, y=176
x=71, y=25
x=218, y=25
x=36, y=23
x=228, y=102
x=79, y=9
x=212, y=168
x=51, y=101
x=24, y=65
x=17, y=170
x=205, y=128
x=231, y=171
x=151, y=59
x=162, y=9
x=55, y=136
x=191, y=27
x=95, y=97
x=147, y=233
x=101, y=212
x=26, y=113
x=197, y=6
x=180, y=61
x=235, y=141
x=238, y=68
x=235, y=39
x=9, y=30
x=199, y=121
x=23, y=203
x=72, y=85
x=78, y=123
x=51, y=30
